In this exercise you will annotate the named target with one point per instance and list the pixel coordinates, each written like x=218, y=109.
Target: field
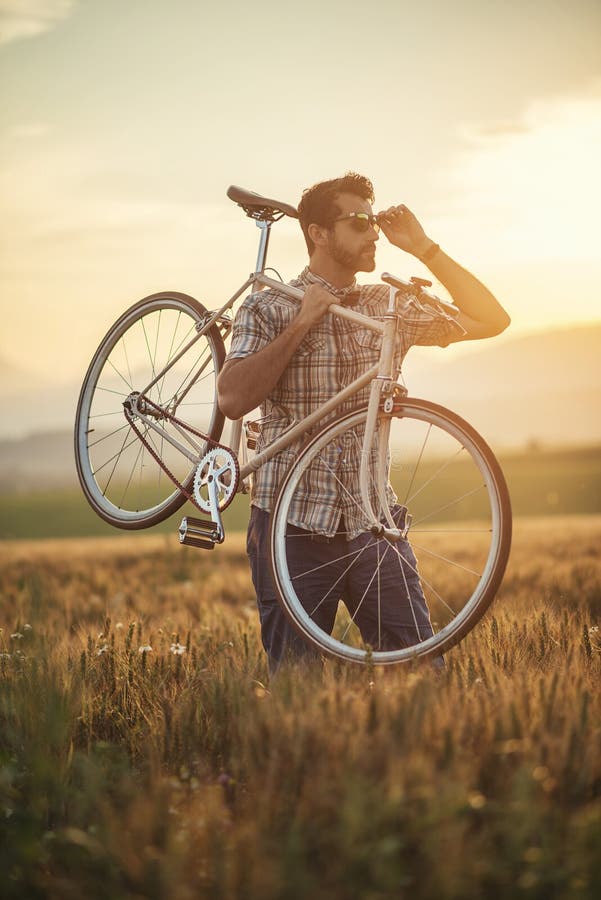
x=542, y=481
x=145, y=753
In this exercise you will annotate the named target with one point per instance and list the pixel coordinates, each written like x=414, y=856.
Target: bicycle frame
x=381, y=376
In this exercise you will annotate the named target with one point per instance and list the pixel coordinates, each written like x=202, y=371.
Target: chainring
x=221, y=466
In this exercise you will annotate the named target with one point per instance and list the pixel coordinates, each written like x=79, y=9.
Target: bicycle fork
x=381, y=397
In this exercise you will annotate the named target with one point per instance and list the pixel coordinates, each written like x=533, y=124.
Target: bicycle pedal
x=201, y=533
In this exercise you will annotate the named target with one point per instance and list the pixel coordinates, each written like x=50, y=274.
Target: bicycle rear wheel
x=449, y=568
x=122, y=481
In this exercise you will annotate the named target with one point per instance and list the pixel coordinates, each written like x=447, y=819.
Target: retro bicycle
x=147, y=439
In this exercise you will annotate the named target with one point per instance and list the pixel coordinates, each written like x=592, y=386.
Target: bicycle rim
x=120, y=477
x=371, y=599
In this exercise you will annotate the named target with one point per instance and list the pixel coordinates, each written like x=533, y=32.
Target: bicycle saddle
x=258, y=207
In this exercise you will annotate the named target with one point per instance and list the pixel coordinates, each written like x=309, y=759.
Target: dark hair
x=318, y=204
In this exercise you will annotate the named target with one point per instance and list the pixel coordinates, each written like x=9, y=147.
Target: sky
x=123, y=123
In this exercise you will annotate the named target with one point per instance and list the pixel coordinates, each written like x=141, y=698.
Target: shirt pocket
x=368, y=343
x=310, y=345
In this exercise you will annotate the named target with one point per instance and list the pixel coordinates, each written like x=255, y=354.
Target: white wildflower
x=177, y=649
x=103, y=649
x=16, y=636
x=145, y=649
x=27, y=627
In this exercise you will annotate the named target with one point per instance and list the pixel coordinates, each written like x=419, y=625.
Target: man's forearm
x=468, y=293
x=244, y=383
x=484, y=316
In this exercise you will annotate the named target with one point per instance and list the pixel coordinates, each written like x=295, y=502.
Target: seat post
x=265, y=227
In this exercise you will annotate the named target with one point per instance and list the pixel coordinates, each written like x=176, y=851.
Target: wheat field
x=145, y=753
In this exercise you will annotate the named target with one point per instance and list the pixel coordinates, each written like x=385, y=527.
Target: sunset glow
x=123, y=127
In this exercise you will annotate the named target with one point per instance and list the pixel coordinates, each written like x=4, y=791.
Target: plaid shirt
x=331, y=355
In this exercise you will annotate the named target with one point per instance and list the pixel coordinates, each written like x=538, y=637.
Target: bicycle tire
x=456, y=530
x=122, y=482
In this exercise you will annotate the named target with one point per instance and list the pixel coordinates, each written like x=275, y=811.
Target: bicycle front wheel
x=120, y=477
x=366, y=598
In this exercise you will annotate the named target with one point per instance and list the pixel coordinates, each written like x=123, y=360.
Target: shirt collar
x=309, y=277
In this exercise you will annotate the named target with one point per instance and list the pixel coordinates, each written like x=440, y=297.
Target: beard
x=361, y=261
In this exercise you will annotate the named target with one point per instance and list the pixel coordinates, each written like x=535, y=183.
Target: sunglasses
x=361, y=221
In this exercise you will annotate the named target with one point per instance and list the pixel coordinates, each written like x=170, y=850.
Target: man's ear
x=318, y=234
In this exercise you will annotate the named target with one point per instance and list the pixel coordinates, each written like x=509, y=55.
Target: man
x=289, y=357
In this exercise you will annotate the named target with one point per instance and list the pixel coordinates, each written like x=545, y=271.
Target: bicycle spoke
x=325, y=565
x=170, y=353
x=358, y=504
x=419, y=458
x=143, y=324
x=436, y=474
x=365, y=592
x=110, y=391
x=451, y=504
x=356, y=554
x=186, y=337
x=116, y=412
x=131, y=475
x=116, y=458
x=401, y=560
x=106, y=436
x=116, y=455
x=451, y=530
x=124, y=344
x=121, y=376
x=154, y=357
x=196, y=380
x=376, y=574
x=424, y=581
x=447, y=560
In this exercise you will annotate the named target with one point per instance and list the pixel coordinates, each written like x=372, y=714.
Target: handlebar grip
x=394, y=280
x=414, y=282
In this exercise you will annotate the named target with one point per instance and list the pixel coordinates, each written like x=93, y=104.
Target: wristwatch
x=430, y=252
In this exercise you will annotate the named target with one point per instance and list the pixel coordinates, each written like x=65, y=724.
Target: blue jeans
x=386, y=617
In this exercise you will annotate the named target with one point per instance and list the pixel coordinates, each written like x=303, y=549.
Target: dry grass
x=187, y=774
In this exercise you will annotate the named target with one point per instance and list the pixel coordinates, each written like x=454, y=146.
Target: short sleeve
x=253, y=328
x=430, y=323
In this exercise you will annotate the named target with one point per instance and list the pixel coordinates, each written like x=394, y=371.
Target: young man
x=290, y=356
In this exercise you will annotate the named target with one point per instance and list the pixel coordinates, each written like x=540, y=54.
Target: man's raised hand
x=403, y=230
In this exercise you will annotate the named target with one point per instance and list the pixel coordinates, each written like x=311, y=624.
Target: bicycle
x=160, y=361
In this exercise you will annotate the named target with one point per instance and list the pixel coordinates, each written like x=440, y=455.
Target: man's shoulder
x=269, y=298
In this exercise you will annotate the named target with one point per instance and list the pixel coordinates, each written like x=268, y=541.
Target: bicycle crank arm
x=204, y=533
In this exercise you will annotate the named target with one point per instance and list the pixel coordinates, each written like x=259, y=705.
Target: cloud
x=534, y=185
x=27, y=18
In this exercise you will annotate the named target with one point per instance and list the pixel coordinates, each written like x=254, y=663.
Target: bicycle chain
x=167, y=415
